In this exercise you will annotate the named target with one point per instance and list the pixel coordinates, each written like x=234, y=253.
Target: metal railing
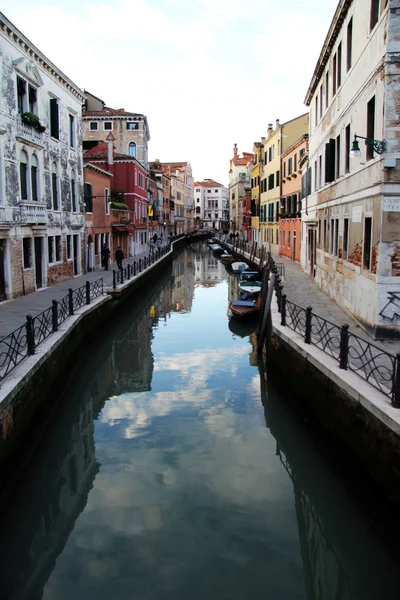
x=22, y=342
x=126, y=273
x=377, y=367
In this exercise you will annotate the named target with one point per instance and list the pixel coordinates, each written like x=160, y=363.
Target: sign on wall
x=356, y=213
x=391, y=204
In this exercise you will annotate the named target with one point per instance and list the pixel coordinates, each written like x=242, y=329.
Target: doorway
x=38, y=262
x=311, y=251
x=3, y=295
x=76, y=254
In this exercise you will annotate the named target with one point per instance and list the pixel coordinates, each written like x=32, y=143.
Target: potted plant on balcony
x=33, y=120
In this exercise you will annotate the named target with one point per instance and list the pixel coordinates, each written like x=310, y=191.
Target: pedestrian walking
x=105, y=256
x=119, y=257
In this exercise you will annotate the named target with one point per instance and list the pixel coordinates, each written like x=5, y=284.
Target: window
x=216, y=191
x=277, y=178
x=69, y=247
x=288, y=239
x=271, y=181
x=197, y=189
x=330, y=149
x=107, y=201
x=216, y=215
x=131, y=125
x=320, y=102
x=339, y=65
x=315, y=176
x=334, y=71
x=349, y=44
x=32, y=99
x=132, y=149
x=367, y=242
x=374, y=14
x=107, y=125
x=284, y=170
x=50, y=245
x=320, y=171
x=370, y=126
x=347, y=150
x=290, y=166
x=345, y=238
x=93, y=125
x=319, y=232
x=72, y=131
x=58, y=248
x=96, y=244
x=88, y=198
x=34, y=177
x=283, y=238
x=27, y=252
x=23, y=175
x=295, y=163
x=325, y=235
x=338, y=157
x=327, y=89
x=74, y=203
x=316, y=110
x=54, y=186
x=21, y=95
x=208, y=191
x=54, y=119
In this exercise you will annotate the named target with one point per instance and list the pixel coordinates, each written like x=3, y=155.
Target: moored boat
x=251, y=288
x=227, y=259
x=244, y=309
x=217, y=249
x=238, y=267
x=249, y=276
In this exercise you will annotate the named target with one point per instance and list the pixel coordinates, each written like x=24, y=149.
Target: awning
x=121, y=228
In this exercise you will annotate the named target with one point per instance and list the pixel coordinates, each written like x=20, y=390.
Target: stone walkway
x=13, y=312
x=301, y=289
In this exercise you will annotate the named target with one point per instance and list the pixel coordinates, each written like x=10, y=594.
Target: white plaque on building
x=356, y=212
x=391, y=204
x=340, y=226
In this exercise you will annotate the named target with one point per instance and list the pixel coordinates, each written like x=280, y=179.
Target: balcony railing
x=33, y=212
x=27, y=132
x=122, y=216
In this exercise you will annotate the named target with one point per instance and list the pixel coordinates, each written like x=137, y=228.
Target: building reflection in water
x=55, y=489
x=209, y=270
x=342, y=557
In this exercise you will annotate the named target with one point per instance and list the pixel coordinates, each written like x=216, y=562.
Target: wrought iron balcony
x=29, y=133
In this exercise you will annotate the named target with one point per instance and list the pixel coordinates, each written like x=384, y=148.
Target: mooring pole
x=263, y=331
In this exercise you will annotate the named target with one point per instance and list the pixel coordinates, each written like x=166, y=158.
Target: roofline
x=35, y=54
x=128, y=159
x=299, y=141
x=96, y=168
x=335, y=26
x=127, y=116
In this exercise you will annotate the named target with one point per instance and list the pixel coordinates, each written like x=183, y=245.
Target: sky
x=206, y=73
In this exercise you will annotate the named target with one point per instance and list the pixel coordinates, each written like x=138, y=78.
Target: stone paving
x=13, y=312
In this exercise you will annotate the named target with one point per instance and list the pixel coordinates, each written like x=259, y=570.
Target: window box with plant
x=119, y=206
x=33, y=120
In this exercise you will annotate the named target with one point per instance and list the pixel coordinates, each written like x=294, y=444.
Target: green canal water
x=173, y=470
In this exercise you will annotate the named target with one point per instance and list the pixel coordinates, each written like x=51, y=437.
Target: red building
x=246, y=215
x=128, y=196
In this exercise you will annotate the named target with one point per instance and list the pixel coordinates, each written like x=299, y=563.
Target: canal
x=173, y=470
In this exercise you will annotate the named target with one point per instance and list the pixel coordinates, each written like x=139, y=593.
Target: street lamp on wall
x=378, y=146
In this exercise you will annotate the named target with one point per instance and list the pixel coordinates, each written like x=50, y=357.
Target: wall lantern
x=378, y=146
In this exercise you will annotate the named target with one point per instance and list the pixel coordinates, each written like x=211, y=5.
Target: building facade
x=97, y=188
x=41, y=172
x=351, y=231
x=130, y=130
x=290, y=205
x=239, y=177
x=210, y=198
x=255, y=189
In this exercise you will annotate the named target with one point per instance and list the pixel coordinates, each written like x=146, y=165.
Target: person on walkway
x=119, y=257
x=105, y=256
x=155, y=239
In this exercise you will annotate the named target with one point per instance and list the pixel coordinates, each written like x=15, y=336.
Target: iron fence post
x=396, y=383
x=128, y=269
x=71, y=301
x=121, y=276
x=114, y=280
x=30, y=335
x=134, y=268
x=307, y=334
x=280, y=288
x=54, y=315
x=145, y=262
x=283, y=310
x=87, y=292
x=344, y=347
x=140, y=265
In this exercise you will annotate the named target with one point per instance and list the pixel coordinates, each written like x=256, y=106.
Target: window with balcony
x=132, y=149
x=34, y=177
x=54, y=187
x=93, y=126
x=23, y=174
x=54, y=119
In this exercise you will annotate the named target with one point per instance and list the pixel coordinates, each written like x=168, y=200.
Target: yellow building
x=275, y=144
x=255, y=190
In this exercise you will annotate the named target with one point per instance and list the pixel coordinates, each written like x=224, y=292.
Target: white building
x=211, y=200
x=351, y=213
x=41, y=174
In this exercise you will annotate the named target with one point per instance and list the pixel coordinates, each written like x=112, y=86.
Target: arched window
x=34, y=177
x=23, y=175
x=74, y=203
x=198, y=209
x=132, y=149
x=54, y=186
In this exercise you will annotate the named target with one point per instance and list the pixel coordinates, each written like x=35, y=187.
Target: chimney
x=235, y=152
x=110, y=139
x=269, y=129
x=277, y=125
x=263, y=139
